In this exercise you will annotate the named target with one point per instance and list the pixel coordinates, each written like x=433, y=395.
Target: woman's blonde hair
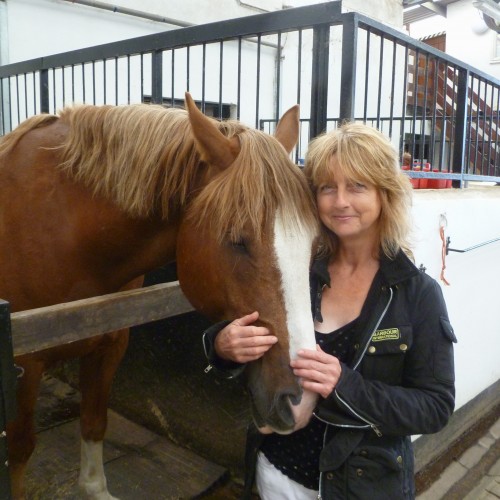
x=365, y=155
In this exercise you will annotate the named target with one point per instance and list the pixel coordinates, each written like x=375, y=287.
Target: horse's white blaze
x=92, y=479
x=293, y=254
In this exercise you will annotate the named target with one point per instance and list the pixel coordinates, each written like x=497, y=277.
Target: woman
x=383, y=367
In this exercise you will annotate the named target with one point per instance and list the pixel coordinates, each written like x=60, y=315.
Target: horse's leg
x=21, y=432
x=97, y=370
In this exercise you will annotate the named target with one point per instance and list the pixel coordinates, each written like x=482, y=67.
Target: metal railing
x=336, y=66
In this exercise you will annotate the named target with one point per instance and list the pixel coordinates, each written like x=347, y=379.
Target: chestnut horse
x=93, y=198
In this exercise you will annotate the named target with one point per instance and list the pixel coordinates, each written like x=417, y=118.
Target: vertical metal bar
x=93, y=84
x=25, y=95
x=299, y=87
x=393, y=82
x=257, y=93
x=470, y=118
x=452, y=116
x=367, y=74
x=172, y=78
x=483, y=129
x=490, y=132
x=497, y=123
x=17, y=100
x=187, y=68
x=54, y=103
x=10, y=102
x=461, y=124
x=444, y=120
x=128, y=78
x=73, y=82
x=278, y=80
x=34, y=93
x=478, y=116
x=142, y=77
x=63, y=69
x=415, y=104
x=238, y=92
x=319, y=78
x=221, y=73
x=435, y=64
x=44, y=91
x=424, y=112
x=157, y=76
x=380, y=78
x=403, y=105
x=2, y=109
x=83, y=83
x=105, y=81
x=8, y=386
x=204, y=62
x=116, y=81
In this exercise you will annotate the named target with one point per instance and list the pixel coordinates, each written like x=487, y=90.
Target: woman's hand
x=241, y=341
x=319, y=372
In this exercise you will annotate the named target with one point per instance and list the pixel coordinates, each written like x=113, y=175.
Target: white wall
x=39, y=28
x=473, y=217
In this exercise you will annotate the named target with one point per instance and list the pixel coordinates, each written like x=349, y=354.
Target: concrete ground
x=474, y=475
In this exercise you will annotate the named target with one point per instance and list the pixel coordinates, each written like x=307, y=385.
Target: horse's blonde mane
x=144, y=158
x=141, y=156
x=9, y=142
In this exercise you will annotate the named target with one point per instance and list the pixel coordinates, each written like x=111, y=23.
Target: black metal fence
x=444, y=114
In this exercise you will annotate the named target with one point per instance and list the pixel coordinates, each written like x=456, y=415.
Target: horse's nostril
x=295, y=399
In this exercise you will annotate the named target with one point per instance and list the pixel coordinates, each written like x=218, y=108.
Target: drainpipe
x=131, y=12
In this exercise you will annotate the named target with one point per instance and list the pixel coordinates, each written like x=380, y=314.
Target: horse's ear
x=213, y=146
x=287, y=130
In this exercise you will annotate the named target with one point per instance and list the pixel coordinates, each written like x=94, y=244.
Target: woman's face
x=349, y=209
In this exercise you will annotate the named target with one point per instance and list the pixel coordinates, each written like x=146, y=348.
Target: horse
x=94, y=197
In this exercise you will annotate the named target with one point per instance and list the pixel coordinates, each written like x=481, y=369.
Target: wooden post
x=7, y=396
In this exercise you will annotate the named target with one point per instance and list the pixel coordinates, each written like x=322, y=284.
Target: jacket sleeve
x=420, y=398
x=227, y=369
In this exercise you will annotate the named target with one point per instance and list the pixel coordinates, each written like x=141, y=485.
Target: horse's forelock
x=260, y=182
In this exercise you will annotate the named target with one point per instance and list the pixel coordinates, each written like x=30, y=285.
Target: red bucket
x=439, y=183
x=414, y=182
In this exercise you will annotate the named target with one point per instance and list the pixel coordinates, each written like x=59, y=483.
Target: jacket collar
x=392, y=271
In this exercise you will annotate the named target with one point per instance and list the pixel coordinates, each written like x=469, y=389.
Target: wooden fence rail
x=46, y=327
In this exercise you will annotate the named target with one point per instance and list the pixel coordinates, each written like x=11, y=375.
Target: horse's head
x=246, y=245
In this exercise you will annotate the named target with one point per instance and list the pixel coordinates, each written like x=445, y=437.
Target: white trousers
x=274, y=485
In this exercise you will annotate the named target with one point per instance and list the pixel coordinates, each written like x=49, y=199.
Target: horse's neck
x=124, y=247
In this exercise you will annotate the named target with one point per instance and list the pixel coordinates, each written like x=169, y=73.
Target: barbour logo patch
x=388, y=334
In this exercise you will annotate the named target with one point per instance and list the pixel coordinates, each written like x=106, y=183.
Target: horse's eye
x=239, y=245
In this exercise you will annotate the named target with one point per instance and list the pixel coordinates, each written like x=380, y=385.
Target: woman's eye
x=326, y=188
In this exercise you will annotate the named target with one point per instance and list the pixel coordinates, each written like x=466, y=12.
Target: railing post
x=348, y=71
x=319, y=80
x=8, y=385
x=458, y=163
x=44, y=91
x=157, y=77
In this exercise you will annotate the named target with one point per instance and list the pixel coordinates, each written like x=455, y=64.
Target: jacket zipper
x=375, y=329
x=368, y=423
x=372, y=425
x=209, y=366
